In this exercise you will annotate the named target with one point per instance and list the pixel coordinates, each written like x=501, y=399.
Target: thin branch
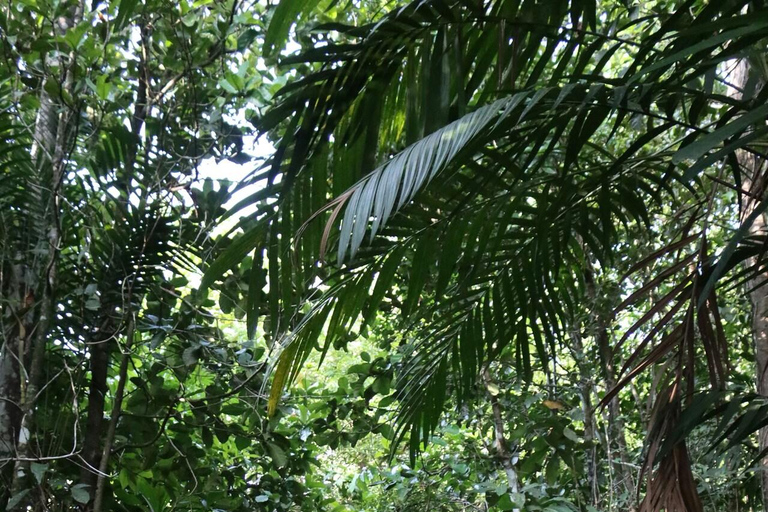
x=115, y=416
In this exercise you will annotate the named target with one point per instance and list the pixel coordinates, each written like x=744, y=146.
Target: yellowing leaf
x=281, y=376
x=552, y=405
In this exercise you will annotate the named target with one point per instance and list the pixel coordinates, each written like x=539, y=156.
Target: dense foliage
x=496, y=255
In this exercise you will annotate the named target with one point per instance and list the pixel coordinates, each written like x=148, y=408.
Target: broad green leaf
x=124, y=13
x=190, y=355
x=706, y=43
x=277, y=454
x=285, y=15
x=38, y=470
x=708, y=142
x=81, y=493
x=16, y=498
x=232, y=255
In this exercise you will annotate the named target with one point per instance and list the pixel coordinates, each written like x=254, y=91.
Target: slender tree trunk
x=117, y=405
x=586, y=390
x=616, y=441
x=31, y=382
x=504, y=455
x=615, y=421
x=97, y=446
x=9, y=416
x=97, y=391
x=19, y=288
x=52, y=136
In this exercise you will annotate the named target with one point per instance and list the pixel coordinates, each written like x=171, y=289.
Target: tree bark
x=759, y=300
x=586, y=390
x=9, y=417
x=117, y=405
x=504, y=455
x=33, y=371
x=52, y=136
x=21, y=309
x=615, y=422
x=98, y=445
x=616, y=443
x=97, y=391
x=754, y=182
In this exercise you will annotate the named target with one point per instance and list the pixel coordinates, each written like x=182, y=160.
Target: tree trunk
x=20, y=312
x=754, y=181
x=9, y=416
x=52, y=134
x=586, y=390
x=117, y=405
x=760, y=329
x=98, y=444
x=616, y=444
x=759, y=299
x=94, y=426
x=31, y=358
x=504, y=455
x=616, y=438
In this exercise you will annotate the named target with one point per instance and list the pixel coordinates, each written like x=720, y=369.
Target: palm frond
x=495, y=133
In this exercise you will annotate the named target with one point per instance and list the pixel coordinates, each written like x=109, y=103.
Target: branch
x=115, y=416
x=500, y=443
x=155, y=437
x=215, y=54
